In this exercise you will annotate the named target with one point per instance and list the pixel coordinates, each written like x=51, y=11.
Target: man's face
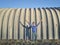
x=33, y=23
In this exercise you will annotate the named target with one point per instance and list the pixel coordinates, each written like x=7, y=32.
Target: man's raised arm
x=38, y=23
x=22, y=24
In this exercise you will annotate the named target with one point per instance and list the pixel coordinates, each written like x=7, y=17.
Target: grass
x=29, y=42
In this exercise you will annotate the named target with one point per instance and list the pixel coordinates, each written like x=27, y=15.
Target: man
x=34, y=29
x=27, y=31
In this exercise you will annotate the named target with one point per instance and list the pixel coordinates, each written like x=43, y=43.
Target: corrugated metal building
x=10, y=28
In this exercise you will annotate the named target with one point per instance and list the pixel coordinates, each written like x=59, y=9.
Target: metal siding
x=49, y=24
x=44, y=24
x=47, y=32
x=1, y=10
x=10, y=25
x=3, y=33
x=16, y=24
x=25, y=24
x=22, y=21
x=55, y=24
x=19, y=25
x=58, y=13
x=39, y=26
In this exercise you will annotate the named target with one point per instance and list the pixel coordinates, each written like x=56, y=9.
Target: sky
x=29, y=3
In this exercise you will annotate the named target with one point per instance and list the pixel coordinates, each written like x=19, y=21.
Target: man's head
x=33, y=23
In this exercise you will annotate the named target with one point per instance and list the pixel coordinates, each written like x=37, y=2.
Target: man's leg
x=32, y=35
x=35, y=36
x=26, y=37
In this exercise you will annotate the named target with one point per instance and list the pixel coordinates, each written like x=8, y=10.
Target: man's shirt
x=34, y=27
x=27, y=28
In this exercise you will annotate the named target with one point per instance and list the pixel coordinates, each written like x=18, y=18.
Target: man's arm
x=38, y=23
x=22, y=24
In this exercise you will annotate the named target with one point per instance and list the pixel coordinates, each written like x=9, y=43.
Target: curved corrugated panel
x=49, y=27
x=39, y=27
x=1, y=10
x=22, y=21
x=49, y=24
x=58, y=14
x=10, y=25
x=55, y=24
x=5, y=23
x=16, y=21
x=3, y=34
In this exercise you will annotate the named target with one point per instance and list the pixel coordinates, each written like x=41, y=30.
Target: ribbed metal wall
x=10, y=28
